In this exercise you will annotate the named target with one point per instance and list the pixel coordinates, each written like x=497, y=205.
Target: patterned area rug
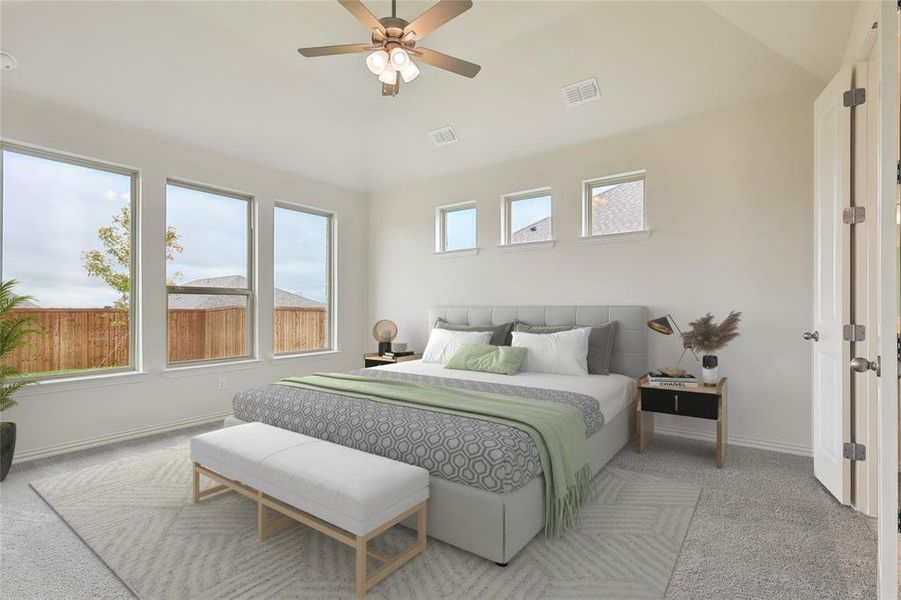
x=136, y=514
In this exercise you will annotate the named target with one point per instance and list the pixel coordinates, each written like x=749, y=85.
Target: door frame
x=887, y=193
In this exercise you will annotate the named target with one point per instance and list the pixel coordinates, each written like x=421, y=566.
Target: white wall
x=60, y=416
x=729, y=199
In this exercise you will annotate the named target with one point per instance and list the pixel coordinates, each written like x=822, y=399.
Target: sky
x=460, y=229
x=529, y=210
x=52, y=211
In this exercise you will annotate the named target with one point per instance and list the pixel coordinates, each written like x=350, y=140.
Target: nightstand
x=372, y=359
x=704, y=402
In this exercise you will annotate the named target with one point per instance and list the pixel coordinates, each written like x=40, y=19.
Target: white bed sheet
x=613, y=392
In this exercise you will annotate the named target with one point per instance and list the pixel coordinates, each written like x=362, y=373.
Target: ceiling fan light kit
x=410, y=72
x=377, y=61
x=394, y=43
x=388, y=75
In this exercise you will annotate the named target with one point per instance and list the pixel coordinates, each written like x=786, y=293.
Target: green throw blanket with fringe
x=558, y=430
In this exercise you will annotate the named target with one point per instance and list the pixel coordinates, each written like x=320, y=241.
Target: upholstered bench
x=349, y=495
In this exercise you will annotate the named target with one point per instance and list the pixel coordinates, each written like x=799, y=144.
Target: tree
x=113, y=263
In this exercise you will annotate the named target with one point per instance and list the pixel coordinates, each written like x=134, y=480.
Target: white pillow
x=444, y=343
x=563, y=353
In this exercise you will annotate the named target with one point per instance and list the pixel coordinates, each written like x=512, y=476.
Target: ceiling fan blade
x=330, y=50
x=362, y=14
x=437, y=16
x=448, y=63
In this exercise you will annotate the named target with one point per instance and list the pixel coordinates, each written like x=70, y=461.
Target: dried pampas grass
x=707, y=337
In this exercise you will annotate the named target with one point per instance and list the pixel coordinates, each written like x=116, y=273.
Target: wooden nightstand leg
x=721, y=436
x=645, y=430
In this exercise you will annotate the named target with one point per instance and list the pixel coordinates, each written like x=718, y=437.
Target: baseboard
x=103, y=440
x=737, y=440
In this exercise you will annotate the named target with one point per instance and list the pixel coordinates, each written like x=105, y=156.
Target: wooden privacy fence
x=97, y=338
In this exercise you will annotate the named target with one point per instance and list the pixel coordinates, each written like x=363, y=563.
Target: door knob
x=815, y=336
x=862, y=365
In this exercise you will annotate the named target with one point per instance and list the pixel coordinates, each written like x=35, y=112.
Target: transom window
x=209, y=274
x=455, y=227
x=614, y=204
x=68, y=231
x=303, y=294
x=527, y=217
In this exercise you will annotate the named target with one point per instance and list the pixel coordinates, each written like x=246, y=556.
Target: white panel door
x=831, y=376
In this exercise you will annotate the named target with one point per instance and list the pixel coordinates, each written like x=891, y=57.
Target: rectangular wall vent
x=444, y=136
x=581, y=92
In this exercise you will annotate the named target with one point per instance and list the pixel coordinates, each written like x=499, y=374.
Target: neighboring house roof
x=197, y=301
x=538, y=231
x=28, y=304
x=620, y=208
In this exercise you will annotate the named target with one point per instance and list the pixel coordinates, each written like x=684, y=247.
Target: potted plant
x=13, y=331
x=707, y=338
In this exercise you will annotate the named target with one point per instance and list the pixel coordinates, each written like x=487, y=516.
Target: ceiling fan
x=394, y=41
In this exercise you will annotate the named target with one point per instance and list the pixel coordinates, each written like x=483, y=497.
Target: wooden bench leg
x=361, y=565
x=195, y=485
x=421, y=525
x=261, y=518
x=395, y=561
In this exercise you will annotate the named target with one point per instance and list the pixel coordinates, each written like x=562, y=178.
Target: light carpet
x=136, y=515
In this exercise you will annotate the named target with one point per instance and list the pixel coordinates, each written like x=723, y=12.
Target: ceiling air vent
x=581, y=92
x=444, y=136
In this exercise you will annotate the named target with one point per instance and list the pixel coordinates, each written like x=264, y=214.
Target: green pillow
x=505, y=360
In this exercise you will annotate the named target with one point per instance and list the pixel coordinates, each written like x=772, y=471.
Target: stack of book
x=396, y=354
x=659, y=379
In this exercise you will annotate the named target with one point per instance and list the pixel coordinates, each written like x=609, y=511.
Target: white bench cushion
x=346, y=487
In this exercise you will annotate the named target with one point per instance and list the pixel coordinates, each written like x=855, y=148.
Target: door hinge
x=854, y=333
x=854, y=214
x=854, y=451
x=854, y=97
x=898, y=168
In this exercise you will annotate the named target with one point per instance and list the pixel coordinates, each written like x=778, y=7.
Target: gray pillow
x=501, y=335
x=600, y=342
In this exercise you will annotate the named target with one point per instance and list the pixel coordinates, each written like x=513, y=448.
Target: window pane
x=617, y=208
x=460, y=229
x=67, y=240
x=301, y=280
x=530, y=219
x=207, y=239
x=203, y=327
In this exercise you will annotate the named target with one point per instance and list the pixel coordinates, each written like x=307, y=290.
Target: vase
x=7, y=447
x=709, y=374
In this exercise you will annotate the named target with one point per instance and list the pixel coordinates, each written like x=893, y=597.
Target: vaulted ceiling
x=226, y=75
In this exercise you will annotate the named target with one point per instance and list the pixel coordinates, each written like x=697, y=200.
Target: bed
x=489, y=502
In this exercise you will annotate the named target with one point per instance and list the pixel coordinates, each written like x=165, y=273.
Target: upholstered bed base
x=498, y=526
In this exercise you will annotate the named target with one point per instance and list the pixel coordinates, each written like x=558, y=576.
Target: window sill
x=456, y=253
x=65, y=384
x=205, y=369
x=305, y=356
x=527, y=246
x=615, y=238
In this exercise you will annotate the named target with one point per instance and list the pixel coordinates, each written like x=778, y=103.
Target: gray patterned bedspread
x=490, y=456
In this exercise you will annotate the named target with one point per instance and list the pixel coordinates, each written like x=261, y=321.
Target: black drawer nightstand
x=373, y=359
x=704, y=402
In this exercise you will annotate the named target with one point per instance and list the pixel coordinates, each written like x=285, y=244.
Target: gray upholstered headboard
x=630, y=349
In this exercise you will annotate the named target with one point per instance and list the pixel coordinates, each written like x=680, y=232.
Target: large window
x=302, y=276
x=455, y=227
x=614, y=205
x=67, y=231
x=527, y=217
x=209, y=275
